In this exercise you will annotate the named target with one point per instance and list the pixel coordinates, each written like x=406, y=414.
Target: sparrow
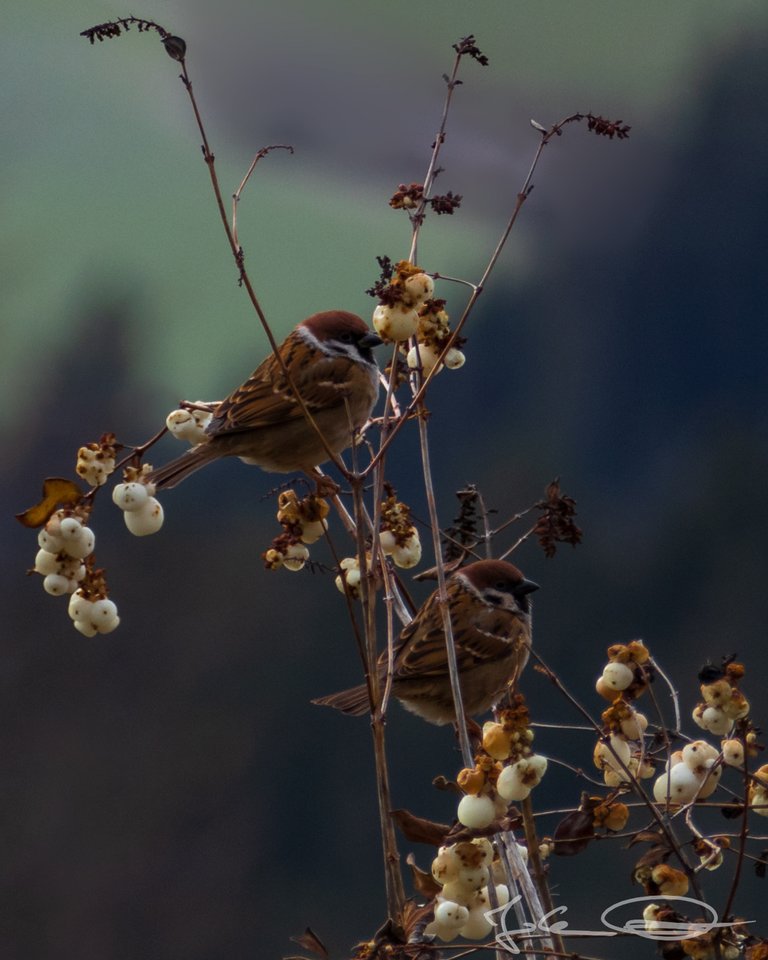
x=490, y=614
x=329, y=358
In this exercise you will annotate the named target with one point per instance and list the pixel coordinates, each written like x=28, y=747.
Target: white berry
x=733, y=753
x=85, y=627
x=422, y=352
x=79, y=607
x=419, y=287
x=395, y=322
x=70, y=528
x=454, y=359
x=476, y=812
x=82, y=545
x=295, y=557
x=49, y=541
x=408, y=554
x=618, y=676
x=510, y=785
x=56, y=584
x=130, y=496
x=450, y=914
x=46, y=562
x=147, y=520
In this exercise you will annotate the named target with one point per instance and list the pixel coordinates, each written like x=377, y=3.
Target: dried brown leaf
x=57, y=492
x=423, y=882
x=418, y=830
x=310, y=941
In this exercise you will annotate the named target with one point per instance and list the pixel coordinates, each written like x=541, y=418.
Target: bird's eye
x=502, y=585
x=345, y=337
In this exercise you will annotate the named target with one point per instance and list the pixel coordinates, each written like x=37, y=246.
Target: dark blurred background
x=168, y=790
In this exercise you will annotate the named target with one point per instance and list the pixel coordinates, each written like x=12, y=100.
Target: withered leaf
x=573, y=834
x=423, y=882
x=57, y=492
x=418, y=830
x=310, y=941
x=450, y=786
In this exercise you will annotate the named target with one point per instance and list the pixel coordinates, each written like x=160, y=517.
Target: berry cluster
x=716, y=944
x=348, y=579
x=407, y=310
x=692, y=773
x=505, y=771
x=96, y=461
x=65, y=542
x=304, y=522
x=399, y=537
x=723, y=703
x=620, y=753
x=431, y=337
x=143, y=514
x=464, y=871
x=65, y=561
x=189, y=423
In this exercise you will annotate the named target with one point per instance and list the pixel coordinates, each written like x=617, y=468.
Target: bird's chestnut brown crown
x=340, y=333
x=500, y=583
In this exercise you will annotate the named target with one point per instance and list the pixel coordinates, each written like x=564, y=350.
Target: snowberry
x=408, y=554
x=46, y=563
x=451, y=914
x=419, y=287
x=537, y=766
x=56, y=584
x=388, y=542
x=148, y=519
x=70, y=528
x=351, y=577
x=681, y=783
x=618, y=676
x=85, y=627
x=476, y=812
x=496, y=740
x=49, y=541
x=634, y=726
x=454, y=359
x=710, y=779
x=715, y=720
x=733, y=753
x=446, y=865
x=396, y=322
x=312, y=530
x=422, y=354
x=477, y=927
x=510, y=784
x=694, y=754
x=79, y=607
x=103, y=614
x=296, y=555
x=82, y=545
x=188, y=425
x=130, y=496
x=614, y=756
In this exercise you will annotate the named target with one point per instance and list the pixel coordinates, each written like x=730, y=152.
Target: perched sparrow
x=330, y=362
x=490, y=614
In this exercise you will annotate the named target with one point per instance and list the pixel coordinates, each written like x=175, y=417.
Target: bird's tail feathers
x=167, y=477
x=354, y=702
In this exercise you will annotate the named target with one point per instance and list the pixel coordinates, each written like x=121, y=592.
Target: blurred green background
x=168, y=790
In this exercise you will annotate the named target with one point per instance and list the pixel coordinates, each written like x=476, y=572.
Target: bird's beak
x=370, y=340
x=526, y=586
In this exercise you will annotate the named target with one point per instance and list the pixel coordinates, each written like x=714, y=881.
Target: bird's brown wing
x=421, y=651
x=266, y=399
